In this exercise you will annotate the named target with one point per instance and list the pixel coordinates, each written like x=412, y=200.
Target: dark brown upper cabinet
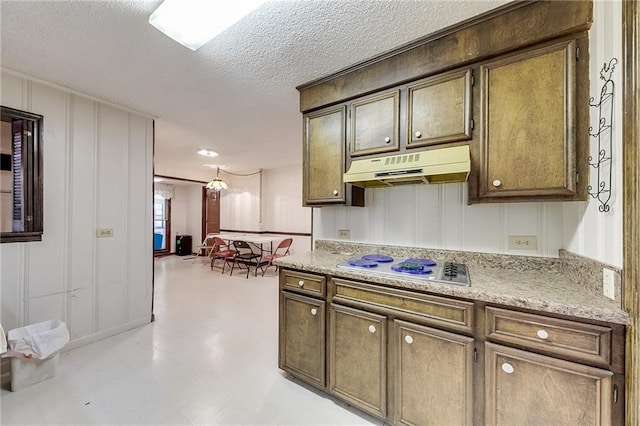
x=525, y=119
x=528, y=142
x=324, y=159
x=439, y=109
x=375, y=124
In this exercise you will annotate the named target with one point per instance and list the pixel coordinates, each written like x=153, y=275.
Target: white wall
x=186, y=213
x=282, y=201
x=437, y=216
x=274, y=206
x=588, y=231
x=240, y=205
x=98, y=169
x=6, y=181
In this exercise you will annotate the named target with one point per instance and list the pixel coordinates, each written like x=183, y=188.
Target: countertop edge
x=599, y=310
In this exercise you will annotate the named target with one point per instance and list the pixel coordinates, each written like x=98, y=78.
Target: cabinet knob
x=301, y=283
x=507, y=368
x=372, y=329
x=314, y=311
x=387, y=139
x=542, y=334
x=335, y=192
x=408, y=339
x=418, y=135
x=496, y=183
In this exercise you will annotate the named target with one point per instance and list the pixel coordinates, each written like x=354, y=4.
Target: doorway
x=210, y=212
x=161, y=225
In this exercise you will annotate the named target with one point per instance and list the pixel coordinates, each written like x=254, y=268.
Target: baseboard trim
x=85, y=340
x=239, y=231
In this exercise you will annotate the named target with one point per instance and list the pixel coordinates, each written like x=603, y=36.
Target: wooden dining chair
x=280, y=251
x=221, y=250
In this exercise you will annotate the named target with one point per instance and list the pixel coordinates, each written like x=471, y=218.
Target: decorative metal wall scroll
x=604, y=136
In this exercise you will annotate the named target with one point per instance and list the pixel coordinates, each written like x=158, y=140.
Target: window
x=20, y=176
x=161, y=224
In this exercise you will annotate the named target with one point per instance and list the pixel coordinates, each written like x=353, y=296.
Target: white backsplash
x=437, y=216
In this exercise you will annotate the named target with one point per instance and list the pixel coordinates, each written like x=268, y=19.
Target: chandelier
x=217, y=183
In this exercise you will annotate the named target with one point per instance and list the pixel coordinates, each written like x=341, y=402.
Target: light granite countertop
x=531, y=286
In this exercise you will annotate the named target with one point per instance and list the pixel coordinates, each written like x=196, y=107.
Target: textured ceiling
x=236, y=94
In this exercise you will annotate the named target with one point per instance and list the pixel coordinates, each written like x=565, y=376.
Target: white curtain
x=165, y=190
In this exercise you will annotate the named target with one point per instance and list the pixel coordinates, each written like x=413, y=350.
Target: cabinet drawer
x=585, y=342
x=300, y=282
x=432, y=310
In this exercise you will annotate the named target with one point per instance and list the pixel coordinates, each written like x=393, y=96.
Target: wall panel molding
x=631, y=185
x=67, y=200
x=58, y=276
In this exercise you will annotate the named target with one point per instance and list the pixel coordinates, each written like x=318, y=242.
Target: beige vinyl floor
x=210, y=358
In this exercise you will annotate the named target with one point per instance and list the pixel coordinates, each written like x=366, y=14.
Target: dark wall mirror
x=21, y=177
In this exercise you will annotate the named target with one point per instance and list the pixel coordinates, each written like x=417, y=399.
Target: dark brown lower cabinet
x=411, y=358
x=302, y=337
x=433, y=376
x=523, y=388
x=357, y=358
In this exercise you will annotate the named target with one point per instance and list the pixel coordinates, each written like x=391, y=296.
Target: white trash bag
x=40, y=341
x=3, y=341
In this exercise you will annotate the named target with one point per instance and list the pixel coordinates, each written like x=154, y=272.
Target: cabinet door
x=324, y=142
x=433, y=376
x=439, y=109
x=523, y=388
x=375, y=124
x=357, y=358
x=302, y=337
x=528, y=138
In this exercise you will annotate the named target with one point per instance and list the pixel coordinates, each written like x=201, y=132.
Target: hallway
x=210, y=358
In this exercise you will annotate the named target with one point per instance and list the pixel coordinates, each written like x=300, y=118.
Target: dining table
x=259, y=241
x=254, y=240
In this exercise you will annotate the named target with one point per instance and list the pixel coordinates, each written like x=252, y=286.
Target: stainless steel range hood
x=442, y=165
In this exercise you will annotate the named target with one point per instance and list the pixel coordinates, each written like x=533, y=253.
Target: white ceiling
x=235, y=95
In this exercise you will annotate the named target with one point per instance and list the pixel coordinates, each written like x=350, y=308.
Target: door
x=357, y=358
x=324, y=141
x=528, y=109
x=439, y=109
x=375, y=124
x=210, y=212
x=302, y=337
x=161, y=225
x=523, y=388
x=433, y=376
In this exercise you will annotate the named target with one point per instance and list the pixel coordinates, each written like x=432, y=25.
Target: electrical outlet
x=608, y=283
x=344, y=234
x=523, y=242
x=104, y=232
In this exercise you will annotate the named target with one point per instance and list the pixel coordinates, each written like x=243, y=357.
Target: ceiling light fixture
x=207, y=153
x=217, y=184
x=193, y=23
